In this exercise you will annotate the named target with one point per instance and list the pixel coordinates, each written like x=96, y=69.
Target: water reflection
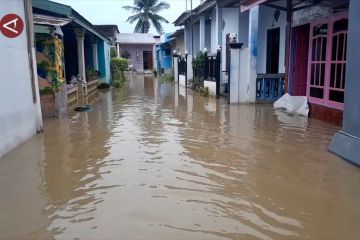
x=157, y=161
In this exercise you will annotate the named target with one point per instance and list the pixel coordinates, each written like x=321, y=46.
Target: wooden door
x=273, y=50
x=148, y=60
x=301, y=60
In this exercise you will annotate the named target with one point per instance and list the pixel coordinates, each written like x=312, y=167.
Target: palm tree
x=146, y=14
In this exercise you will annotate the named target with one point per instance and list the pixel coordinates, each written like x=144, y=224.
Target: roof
x=61, y=10
x=135, y=38
x=186, y=16
x=109, y=30
x=178, y=33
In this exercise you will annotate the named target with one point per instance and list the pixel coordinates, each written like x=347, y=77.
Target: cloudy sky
x=111, y=12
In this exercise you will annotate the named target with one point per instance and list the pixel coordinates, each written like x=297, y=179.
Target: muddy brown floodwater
x=156, y=162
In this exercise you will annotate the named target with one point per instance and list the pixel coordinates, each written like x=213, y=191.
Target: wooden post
x=288, y=43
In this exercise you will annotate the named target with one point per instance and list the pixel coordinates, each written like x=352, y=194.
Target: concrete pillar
x=202, y=33
x=346, y=143
x=95, y=54
x=80, y=34
x=253, y=53
x=190, y=73
x=118, y=50
x=234, y=74
x=176, y=68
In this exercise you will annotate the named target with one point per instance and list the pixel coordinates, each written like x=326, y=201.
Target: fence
x=212, y=71
x=269, y=87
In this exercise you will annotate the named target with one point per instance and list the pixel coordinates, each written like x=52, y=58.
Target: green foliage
x=168, y=78
x=113, y=53
x=146, y=14
x=118, y=66
x=46, y=90
x=198, y=65
x=91, y=74
x=117, y=83
x=204, y=92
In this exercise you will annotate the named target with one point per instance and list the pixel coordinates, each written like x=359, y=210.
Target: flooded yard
x=154, y=161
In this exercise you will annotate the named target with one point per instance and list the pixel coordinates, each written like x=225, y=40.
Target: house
x=179, y=40
x=139, y=49
x=164, y=51
x=19, y=98
x=209, y=26
x=67, y=46
x=300, y=47
x=320, y=65
x=111, y=32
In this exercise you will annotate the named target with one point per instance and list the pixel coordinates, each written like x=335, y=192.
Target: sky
x=111, y=12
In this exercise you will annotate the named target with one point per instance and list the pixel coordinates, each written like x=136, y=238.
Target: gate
x=212, y=70
x=182, y=68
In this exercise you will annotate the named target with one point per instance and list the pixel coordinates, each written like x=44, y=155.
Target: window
x=327, y=61
x=138, y=56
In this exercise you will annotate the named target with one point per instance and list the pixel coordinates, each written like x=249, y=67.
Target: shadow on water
x=157, y=161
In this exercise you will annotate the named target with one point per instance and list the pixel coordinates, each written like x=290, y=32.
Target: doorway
x=300, y=67
x=148, y=60
x=273, y=50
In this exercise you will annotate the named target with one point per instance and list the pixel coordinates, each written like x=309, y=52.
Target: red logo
x=11, y=25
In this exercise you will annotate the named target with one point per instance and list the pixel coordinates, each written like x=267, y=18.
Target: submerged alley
x=154, y=161
x=193, y=119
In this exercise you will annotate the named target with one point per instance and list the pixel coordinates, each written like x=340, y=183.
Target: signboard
x=11, y=25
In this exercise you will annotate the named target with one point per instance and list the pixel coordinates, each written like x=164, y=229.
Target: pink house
x=139, y=49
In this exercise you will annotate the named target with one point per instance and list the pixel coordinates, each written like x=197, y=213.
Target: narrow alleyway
x=156, y=162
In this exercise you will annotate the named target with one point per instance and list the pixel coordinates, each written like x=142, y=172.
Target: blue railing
x=269, y=87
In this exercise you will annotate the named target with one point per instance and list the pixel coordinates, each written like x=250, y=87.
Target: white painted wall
x=182, y=80
x=20, y=117
x=187, y=33
x=267, y=21
x=213, y=31
x=211, y=86
x=196, y=39
x=243, y=36
x=230, y=25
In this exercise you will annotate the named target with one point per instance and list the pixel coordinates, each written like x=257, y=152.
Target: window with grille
x=327, y=61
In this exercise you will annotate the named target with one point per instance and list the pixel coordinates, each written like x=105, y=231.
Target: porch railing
x=182, y=67
x=212, y=69
x=269, y=87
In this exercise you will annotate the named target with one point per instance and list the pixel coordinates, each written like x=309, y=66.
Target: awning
x=247, y=4
x=50, y=20
x=167, y=41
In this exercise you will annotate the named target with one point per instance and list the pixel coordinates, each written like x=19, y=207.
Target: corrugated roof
x=64, y=10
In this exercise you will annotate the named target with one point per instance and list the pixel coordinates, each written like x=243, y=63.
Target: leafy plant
x=199, y=65
x=146, y=14
x=168, y=78
x=91, y=74
x=113, y=53
x=46, y=90
x=118, y=67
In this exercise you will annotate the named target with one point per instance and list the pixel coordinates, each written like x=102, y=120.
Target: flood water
x=156, y=162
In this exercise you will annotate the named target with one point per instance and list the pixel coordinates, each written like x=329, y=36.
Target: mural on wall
x=50, y=63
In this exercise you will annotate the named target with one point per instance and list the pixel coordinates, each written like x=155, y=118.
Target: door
x=273, y=50
x=301, y=60
x=148, y=60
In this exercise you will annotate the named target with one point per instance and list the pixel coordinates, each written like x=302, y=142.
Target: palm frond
x=132, y=9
